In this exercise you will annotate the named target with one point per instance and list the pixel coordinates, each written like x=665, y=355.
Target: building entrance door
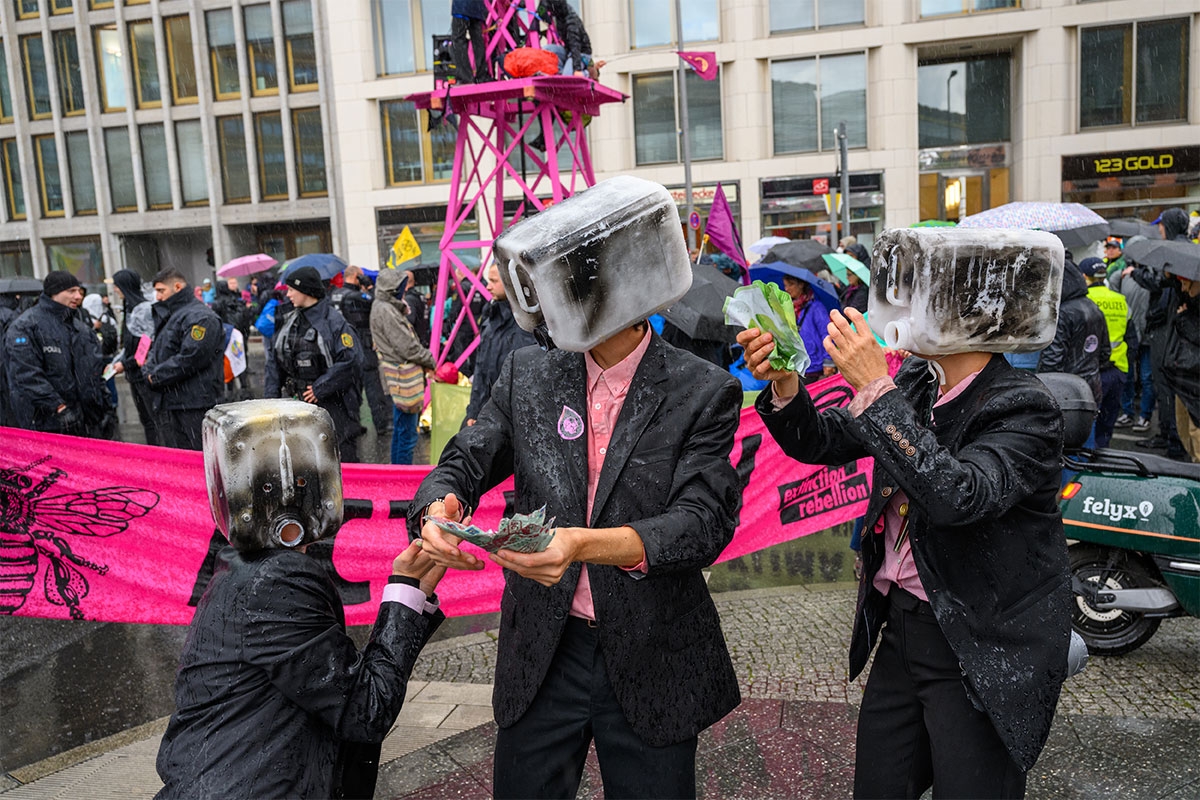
x=954, y=194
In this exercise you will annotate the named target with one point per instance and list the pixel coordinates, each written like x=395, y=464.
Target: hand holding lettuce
x=767, y=307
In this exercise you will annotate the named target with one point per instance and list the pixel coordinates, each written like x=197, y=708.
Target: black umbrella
x=20, y=286
x=804, y=253
x=1176, y=257
x=1127, y=227
x=700, y=313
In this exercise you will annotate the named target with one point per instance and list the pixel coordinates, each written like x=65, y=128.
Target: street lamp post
x=949, y=137
x=681, y=73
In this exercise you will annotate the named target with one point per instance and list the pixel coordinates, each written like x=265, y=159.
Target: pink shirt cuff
x=410, y=596
x=641, y=567
x=869, y=394
x=778, y=402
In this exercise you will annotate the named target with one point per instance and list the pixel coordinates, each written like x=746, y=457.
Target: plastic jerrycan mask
x=937, y=291
x=596, y=263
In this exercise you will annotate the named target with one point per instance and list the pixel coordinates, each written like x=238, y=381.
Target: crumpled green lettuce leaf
x=767, y=307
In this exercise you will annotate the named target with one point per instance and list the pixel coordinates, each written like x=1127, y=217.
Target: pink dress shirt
x=606, y=390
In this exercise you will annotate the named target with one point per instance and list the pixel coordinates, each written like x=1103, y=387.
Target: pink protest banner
x=119, y=532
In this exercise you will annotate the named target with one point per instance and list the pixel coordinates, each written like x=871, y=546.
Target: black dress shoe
x=1153, y=443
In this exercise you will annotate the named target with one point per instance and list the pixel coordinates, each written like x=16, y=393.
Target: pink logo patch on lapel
x=570, y=424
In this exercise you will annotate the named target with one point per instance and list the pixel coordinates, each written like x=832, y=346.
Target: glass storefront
x=427, y=224
x=792, y=208
x=959, y=181
x=1133, y=183
x=702, y=198
x=80, y=257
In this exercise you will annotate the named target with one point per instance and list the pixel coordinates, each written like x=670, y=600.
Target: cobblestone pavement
x=791, y=644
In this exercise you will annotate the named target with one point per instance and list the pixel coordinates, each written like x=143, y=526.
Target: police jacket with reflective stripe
x=186, y=361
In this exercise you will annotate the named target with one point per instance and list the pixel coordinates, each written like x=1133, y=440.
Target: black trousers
x=143, y=401
x=460, y=31
x=378, y=400
x=543, y=753
x=181, y=428
x=918, y=727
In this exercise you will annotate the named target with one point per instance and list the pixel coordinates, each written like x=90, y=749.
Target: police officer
x=53, y=365
x=319, y=357
x=353, y=299
x=185, y=366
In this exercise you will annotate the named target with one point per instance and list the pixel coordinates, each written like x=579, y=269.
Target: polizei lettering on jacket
x=1117, y=512
x=823, y=491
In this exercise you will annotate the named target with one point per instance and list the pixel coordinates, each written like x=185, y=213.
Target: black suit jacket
x=667, y=474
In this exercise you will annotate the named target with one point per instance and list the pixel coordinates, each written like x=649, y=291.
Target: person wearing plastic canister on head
x=965, y=560
x=1113, y=372
x=318, y=357
x=272, y=698
x=53, y=365
x=610, y=633
x=185, y=366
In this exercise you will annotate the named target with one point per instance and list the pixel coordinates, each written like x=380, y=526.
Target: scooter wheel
x=1111, y=632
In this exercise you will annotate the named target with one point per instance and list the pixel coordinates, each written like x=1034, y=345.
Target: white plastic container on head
x=596, y=263
x=937, y=291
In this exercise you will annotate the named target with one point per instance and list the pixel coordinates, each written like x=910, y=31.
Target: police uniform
x=355, y=306
x=52, y=359
x=185, y=366
x=316, y=347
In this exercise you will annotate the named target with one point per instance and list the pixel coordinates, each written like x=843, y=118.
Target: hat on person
x=58, y=281
x=1113, y=241
x=1093, y=268
x=306, y=280
x=207, y=282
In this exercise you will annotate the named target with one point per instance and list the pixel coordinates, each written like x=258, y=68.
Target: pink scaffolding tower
x=498, y=177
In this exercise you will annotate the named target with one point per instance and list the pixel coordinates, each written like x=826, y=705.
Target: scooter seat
x=1111, y=460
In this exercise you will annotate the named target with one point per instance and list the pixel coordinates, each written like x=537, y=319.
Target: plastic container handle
x=521, y=290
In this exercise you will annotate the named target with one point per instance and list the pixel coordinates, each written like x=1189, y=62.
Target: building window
x=27, y=9
x=120, y=169
x=272, y=164
x=6, y=109
x=70, y=79
x=964, y=101
x=1145, y=73
x=180, y=58
x=15, y=260
x=810, y=96
x=404, y=31
x=193, y=176
x=14, y=190
x=656, y=115
x=155, y=169
x=412, y=153
x=222, y=51
x=235, y=173
x=110, y=56
x=37, y=83
x=80, y=256
x=940, y=8
x=310, y=152
x=61, y=6
x=95, y=4
x=49, y=179
x=807, y=15
x=260, y=47
x=145, y=65
x=79, y=163
x=654, y=21
x=301, y=47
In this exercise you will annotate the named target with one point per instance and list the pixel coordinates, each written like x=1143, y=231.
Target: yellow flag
x=405, y=248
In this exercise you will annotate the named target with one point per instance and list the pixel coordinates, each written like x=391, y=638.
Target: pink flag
x=705, y=64
x=722, y=231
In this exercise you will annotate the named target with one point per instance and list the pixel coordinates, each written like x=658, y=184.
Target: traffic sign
x=694, y=220
x=820, y=186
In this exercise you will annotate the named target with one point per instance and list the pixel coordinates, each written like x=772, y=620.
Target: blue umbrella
x=327, y=265
x=774, y=272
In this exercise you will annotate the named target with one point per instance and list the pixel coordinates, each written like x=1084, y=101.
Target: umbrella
x=763, y=245
x=840, y=262
x=20, y=286
x=1176, y=257
x=934, y=223
x=1076, y=225
x=804, y=253
x=700, y=313
x=246, y=265
x=1127, y=227
x=327, y=265
x=774, y=272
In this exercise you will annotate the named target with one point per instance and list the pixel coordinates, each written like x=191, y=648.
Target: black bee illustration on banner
x=33, y=525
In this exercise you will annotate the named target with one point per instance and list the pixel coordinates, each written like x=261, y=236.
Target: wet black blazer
x=667, y=474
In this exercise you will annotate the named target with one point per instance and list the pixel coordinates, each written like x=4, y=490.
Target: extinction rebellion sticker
x=829, y=489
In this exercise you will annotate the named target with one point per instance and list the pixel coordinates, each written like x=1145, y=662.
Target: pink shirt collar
x=619, y=375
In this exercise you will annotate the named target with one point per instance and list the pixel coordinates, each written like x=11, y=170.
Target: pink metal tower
x=493, y=160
